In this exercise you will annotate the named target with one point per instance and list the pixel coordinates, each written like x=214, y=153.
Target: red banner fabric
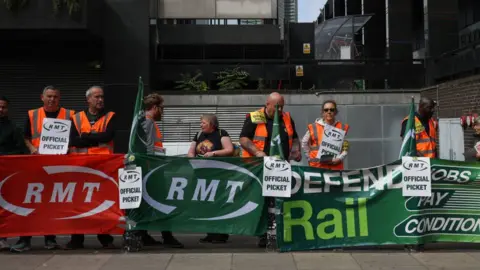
x=60, y=194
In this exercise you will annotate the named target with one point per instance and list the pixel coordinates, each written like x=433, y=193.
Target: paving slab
x=325, y=261
x=384, y=261
x=446, y=260
x=20, y=262
x=270, y=261
x=200, y=261
x=75, y=262
x=138, y=262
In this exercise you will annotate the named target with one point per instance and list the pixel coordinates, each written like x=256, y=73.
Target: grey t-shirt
x=150, y=134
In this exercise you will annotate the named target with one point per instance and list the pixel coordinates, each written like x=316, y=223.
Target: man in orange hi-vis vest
x=92, y=132
x=256, y=135
x=32, y=131
x=426, y=139
x=425, y=129
x=312, y=141
x=153, y=104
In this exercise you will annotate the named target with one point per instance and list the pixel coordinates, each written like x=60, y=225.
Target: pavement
x=240, y=253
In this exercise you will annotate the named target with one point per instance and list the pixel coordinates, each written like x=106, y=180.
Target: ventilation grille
x=180, y=124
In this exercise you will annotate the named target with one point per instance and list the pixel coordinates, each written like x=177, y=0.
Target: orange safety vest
x=36, y=121
x=82, y=124
x=426, y=142
x=158, y=140
x=261, y=133
x=316, y=135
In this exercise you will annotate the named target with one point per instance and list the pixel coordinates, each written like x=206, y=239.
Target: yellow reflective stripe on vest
x=259, y=138
x=78, y=119
x=315, y=136
x=35, y=134
x=67, y=114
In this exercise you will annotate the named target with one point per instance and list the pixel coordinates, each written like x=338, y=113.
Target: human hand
x=34, y=151
x=477, y=155
x=336, y=161
x=296, y=155
x=209, y=154
x=260, y=154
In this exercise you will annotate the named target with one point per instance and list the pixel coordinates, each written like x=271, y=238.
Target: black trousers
x=104, y=239
x=29, y=238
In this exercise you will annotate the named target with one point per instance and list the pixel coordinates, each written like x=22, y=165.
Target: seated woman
x=211, y=141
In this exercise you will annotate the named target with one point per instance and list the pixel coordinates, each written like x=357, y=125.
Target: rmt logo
x=55, y=126
x=130, y=176
x=416, y=165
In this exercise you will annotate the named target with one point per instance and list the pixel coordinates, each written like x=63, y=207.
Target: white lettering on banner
x=54, y=137
x=417, y=177
x=277, y=178
x=202, y=190
x=130, y=187
x=59, y=193
x=439, y=225
x=332, y=141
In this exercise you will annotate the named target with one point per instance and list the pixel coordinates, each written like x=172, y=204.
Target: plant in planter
x=74, y=6
x=189, y=83
x=232, y=79
x=15, y=5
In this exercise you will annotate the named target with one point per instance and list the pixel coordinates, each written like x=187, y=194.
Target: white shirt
x=306, y=141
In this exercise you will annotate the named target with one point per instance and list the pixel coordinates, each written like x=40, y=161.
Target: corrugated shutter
x=23, y=82
x=180, y=124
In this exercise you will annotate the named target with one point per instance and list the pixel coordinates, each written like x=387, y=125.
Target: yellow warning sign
x=306, y=48
x=299, y=71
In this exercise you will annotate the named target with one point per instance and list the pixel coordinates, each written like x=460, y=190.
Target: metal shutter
x=23, y=82
x=179, y=124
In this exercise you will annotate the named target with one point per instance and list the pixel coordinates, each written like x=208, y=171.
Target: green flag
x=276, y=143
x=137, y=134
x=409, y=145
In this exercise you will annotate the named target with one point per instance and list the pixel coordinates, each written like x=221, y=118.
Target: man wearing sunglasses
x=313, y=139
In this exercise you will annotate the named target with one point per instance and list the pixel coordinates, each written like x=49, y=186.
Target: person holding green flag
x=270, y=130
x=419, y=138
x=421, y=131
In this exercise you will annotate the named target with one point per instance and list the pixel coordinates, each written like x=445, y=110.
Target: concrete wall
x=222, y=9
x=374, y=119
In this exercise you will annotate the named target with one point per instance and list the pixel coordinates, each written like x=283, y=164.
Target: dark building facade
x=112, y=42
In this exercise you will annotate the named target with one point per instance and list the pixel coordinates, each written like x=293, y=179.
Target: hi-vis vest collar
x=322, y=123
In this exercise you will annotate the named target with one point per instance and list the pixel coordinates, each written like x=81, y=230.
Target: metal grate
x=23, y=82
x=180, y=124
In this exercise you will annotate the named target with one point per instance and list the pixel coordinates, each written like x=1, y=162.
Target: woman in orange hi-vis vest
x=312, y=141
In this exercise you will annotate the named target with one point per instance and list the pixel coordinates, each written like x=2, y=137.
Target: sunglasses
x=329, y=110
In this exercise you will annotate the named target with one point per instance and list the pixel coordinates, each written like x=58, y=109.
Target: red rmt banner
x=60, y=194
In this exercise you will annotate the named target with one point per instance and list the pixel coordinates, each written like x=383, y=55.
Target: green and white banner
x=201, y=195
x=365, y=207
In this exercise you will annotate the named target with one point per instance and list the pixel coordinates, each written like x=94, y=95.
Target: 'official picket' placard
x=417, y=177
x=277, y=178
x=130, y=187
x=55, y=136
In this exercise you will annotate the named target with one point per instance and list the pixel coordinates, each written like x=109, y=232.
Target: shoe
x=172, y=242
x=4, y=245
x=262, y=241
x=108, y=246
x=20, y=246
x=206, y=239
x=148, y=240
x=71, y=246
x=415, y=248
x=51, y=244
